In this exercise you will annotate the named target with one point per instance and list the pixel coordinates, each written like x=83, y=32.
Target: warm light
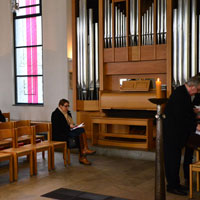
x=69, y=49
x=158, y=88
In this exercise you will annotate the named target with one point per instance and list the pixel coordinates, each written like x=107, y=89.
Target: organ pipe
x=180, y=42
x=87, y=53
x=185, y=27
x=193, y=38
x=97, y=59
x=147, y=26
x=161, y=21
x=91, y=54
x=175, y=48
x=186, y=53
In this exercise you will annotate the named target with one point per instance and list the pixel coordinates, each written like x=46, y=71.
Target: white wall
x=56, y=22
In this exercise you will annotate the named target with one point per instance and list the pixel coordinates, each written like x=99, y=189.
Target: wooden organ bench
x=123, y=132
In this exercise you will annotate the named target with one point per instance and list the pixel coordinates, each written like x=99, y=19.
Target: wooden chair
x=7, y=116
x=194, y=167
x=46, y=127
x=7, y=142
x=16, y=151
x=7, y=125
x=21, y=123
x=26, y=139
x=8, y=156
x=36, y=147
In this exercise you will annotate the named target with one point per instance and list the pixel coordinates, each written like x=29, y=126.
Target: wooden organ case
x=116, y=42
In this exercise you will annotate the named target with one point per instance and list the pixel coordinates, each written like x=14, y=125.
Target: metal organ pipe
x=81, y=48
x=186, y=46
x=180, y=42
x=91, y=54
x=87, y=54
x=193, y=37
x=137, y=22
x=116, y=27
x=109, y=24
x=133, y=22
x=97, y=59
x=85, y=50
x=119, y=27
x=152, y=24
x=105, y=23
x=158, y=21
x=142, y=29
x=78, y=59
x=175, y=48
x=147, y=26
x=165, y=21
x=185, y=56
x=161, y=21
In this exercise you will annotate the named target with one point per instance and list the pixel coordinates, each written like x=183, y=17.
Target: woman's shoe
x=88, y=152
x=84, y=161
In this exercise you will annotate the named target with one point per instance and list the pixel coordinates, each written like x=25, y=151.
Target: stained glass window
x=28, y=52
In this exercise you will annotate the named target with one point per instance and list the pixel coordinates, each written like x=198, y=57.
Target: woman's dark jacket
x=60, y=127
x=2, y=118
x=180, y=119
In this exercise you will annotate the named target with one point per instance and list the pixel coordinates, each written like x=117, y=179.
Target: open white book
x=78, y=126
x=197, y=132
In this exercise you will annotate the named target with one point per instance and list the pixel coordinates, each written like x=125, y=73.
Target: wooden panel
x=116, y=128
x=147, y=52
x=144, y=67
x=169, y=46
x=104, y=138
x=87, y=105
x=161, y=51
x=86, y=118
x=134, y=53
x=112, y=82
x=127, y=100
x=139, y=145
x=121, y=54
x=108, y=55
x=123, y=135
x=115, y=1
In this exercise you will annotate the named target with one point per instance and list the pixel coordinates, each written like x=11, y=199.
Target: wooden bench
x=103, y=134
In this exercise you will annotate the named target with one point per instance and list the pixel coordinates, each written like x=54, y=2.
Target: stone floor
x=121, y=177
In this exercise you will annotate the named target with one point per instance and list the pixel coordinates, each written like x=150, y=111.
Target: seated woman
x=62, y=125
x=2, y=118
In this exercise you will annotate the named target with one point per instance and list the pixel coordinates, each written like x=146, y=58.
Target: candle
x=158, y=88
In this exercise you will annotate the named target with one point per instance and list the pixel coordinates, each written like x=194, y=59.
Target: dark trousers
x=193, y=143
x=75, y=135
x=172, y=158
x=188, y=157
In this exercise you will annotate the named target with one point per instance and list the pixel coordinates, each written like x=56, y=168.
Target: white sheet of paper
x=78, y=126
x=197, y=132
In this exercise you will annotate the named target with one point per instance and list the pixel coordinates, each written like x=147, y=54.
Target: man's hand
x=198, y=127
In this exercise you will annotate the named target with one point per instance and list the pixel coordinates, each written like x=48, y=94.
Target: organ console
x=116, y=40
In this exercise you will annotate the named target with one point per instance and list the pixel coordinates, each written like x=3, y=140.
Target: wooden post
x=159, y=164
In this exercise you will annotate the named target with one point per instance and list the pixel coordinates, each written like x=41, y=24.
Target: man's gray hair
x=194, y=81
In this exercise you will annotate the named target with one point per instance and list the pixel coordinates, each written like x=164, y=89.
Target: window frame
x=15, y=17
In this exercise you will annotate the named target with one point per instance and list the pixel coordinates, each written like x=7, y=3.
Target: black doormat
x=68, y=194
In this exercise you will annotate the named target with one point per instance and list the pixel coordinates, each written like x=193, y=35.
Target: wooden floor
x=119, y=177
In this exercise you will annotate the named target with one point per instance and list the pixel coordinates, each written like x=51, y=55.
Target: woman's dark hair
x=62, y=102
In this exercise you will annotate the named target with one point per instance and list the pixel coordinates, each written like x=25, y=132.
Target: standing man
x=179, y=123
